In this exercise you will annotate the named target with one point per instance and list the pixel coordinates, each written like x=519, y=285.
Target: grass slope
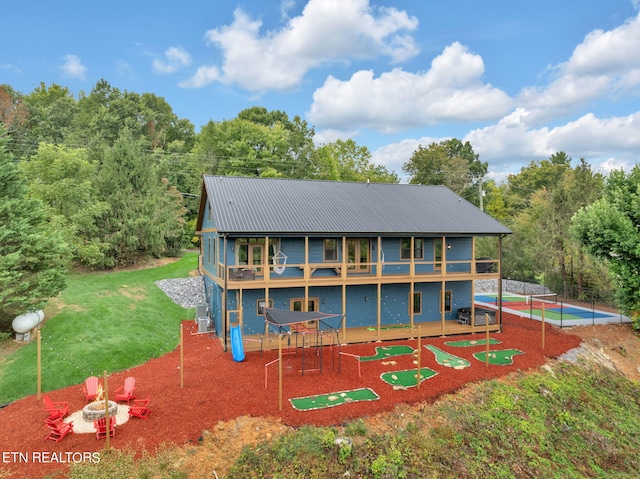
x=107, y=321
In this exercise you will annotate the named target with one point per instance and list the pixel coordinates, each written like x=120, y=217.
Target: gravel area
x=185, y=292
x=518, y=287
x=189, y=292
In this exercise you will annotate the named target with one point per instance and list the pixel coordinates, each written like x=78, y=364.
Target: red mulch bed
x=218, y=389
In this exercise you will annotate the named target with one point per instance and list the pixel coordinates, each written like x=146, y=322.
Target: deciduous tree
x=610, y=230
x=450, y=163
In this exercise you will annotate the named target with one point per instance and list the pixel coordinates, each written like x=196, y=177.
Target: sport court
x=556, y=312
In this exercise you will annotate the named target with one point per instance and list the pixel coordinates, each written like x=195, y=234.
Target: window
x=437, y=254
x=417, y=303
x=250, y=252
x=405, y=248
x=312, y=304
x=331, y=249
x=261, y=304
x=358, y=255
x=448, y=301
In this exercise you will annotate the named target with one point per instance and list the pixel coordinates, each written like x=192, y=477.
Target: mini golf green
x=406, y=378
x=385, y=352
x=471, y=342
x=322, y=401
x=443, y=358
x=501, y=357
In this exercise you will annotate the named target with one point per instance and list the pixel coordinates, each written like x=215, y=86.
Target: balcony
x=296, y=274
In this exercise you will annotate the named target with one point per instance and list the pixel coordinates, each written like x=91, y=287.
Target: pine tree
x=33, y=255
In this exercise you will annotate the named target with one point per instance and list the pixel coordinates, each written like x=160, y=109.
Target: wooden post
x=419, y=355
x=543, y=326
x=181, y=357
x=280, y=372
x=106, y=409
x=39, y=363
x=486, y=323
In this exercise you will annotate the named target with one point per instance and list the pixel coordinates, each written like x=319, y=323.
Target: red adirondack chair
x=101, y=427
x=90, y=388
x=139, y=409
x=56, y=409
x=125, y=392
x=58, y=429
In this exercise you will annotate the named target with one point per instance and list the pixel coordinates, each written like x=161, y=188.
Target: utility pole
x=481, y=195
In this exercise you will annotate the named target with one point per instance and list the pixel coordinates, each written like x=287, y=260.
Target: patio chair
x=56, y=409
x=90, y=388
x=139, y=408
x=58, y=429
x=101, y=427
x=125, y=392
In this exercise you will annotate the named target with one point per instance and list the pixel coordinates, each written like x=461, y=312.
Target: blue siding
x=361, y=307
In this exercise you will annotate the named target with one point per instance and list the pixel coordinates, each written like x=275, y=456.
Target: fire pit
x=95, y=410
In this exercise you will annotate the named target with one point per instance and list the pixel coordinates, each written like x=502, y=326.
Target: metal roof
x=251, y=205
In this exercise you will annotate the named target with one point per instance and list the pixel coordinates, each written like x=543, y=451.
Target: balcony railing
x=325, y=271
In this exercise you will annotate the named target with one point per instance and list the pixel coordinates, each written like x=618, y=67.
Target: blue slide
x=237, y=347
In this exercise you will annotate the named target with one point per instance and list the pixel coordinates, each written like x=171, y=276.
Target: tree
x=145, y=214
x=33, y=254
x=541, y=246
x=257, y=142
x=344, y=160
x=450, y=163
x=14, y=115
x=243, y=148
x=51, y=113
x=610, y=230
x=543, y=174
x=61, y=177
x=107, y=112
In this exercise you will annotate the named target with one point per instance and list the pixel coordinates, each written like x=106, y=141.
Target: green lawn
x=106, y=321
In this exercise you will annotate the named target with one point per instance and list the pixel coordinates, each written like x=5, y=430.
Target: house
x=386, y=258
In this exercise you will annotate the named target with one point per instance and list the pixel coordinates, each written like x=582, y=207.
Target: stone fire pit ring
x=95, y=410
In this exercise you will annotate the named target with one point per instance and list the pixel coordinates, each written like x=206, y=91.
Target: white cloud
x=285, y=6
x=73, y=67
x=176, y=58
x=322, y=137
x=593, y=136
x=10, y=67
x=605, y=64
x=512, y=141
x=203, y=77
x=451, y=90
x=326, y=31
x=611, y=164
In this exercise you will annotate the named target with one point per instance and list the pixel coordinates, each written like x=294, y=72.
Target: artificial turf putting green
x=385, y=352
x=321, y=401
x=406, y=378
x=443, y=358
x=471, y=342
x=501, y=357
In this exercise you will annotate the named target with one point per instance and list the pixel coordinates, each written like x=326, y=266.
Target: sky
x=519, y=80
